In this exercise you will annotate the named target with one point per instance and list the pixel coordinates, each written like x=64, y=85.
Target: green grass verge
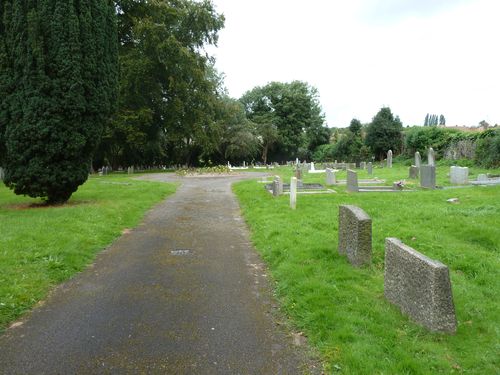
x=42, y=246
x=342, y=310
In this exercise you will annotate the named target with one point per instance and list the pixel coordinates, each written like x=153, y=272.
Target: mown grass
x=42, y=246
x=342, y=309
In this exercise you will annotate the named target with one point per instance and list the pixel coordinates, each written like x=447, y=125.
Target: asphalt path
x=183, y=293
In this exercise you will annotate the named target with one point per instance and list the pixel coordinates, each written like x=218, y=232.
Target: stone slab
x=419, y=286
x=355, y=235
x=428, y=176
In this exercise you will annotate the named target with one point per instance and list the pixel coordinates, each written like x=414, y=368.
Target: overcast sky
x=415, y=56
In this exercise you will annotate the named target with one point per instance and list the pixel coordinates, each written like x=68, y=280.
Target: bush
x=488, y=150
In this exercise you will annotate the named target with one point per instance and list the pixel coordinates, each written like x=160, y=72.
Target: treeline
x=362, y=142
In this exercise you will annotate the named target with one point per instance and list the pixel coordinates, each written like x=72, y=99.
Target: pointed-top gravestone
x=418, y=160
x=311, y=166
x=431, y=157
x=389, y=159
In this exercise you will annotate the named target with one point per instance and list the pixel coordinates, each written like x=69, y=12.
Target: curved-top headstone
x=389, y=159
x=355, y=235
x=418, y=160
x=420, y=286
x=431, y=157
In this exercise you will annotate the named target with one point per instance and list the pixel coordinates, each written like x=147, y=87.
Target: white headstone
x=418, y=160
x=330, y=177
x=431, y=157
x=389, y=159
x=459, y=175
x=293, y=193
x=312, y=166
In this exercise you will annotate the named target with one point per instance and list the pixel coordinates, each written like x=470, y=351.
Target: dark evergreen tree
x=59, y=74
x=384, y=133
x=355, y=126
x=442, y=120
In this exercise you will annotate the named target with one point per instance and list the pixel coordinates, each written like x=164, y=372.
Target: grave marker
x=459, y=175
x=352, y=181
x=330, y=177
x=293, y=193
x=389, y=159
x=370, y=168
x=418, y=160
x=428, y=176
x=420, y=286
x=413, y=172
x=431, y=157
x=355, y=235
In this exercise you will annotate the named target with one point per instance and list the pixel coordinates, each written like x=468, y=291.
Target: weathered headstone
x=418, y=160
x=420, y=286
x=311, y=166
x=330, y=177
x=459, y=175
x=482, y=177
x=431, y=157
x=352, y=181
x=428, y=176
x=389, y=159
x=369, y=168
x=298, y=173
x=244, y=164
x=279, y=185
x=413, y=172
x=296, y=161
x=355, y=235
x=2, y=174
x=293, y=193
x=362, y=165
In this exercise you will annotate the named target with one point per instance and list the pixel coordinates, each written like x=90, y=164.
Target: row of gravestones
x=418, y=285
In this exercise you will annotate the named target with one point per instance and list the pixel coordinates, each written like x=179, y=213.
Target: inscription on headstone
x=420, y=286
x=355, y=235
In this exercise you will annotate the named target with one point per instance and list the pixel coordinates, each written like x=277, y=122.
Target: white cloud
x=416, y=60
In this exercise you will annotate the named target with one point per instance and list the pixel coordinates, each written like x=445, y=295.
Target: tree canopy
x=58, y=72
x=384, y=133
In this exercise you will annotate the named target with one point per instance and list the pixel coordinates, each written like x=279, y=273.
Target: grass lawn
x=342, y=310
x=43, y=246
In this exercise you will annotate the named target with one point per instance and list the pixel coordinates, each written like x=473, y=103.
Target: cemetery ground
x=342, y=309
x=42, y=246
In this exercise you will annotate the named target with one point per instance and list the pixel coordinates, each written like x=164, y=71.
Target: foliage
x=342, y=310
x=488, y=150
x=355, y=126
x=58, y=63
x=168, y=88
x=434, y=120
x=384, y=133
x=294, y=110
x=45, y=245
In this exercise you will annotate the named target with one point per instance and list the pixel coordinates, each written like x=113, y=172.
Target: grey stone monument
x=418, y=160
x=482, y=177
x=352, y=181
x=298, y=173
x=389, y=159
x=459, y=175
x=369, y=168
x=431, y=157
x=428, y=176
x=279, y=185
x=355, y=235
x=2, y=174
x=420, y=286
x=413, y=172
x=362, y=165
x=293, y=193
x=330, y=177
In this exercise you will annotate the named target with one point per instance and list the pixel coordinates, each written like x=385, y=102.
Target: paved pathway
x=184, y=293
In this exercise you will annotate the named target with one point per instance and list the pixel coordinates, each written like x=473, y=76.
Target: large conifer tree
x=58, y=76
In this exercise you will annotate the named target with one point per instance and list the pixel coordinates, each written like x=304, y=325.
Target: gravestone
x=311, y=166
x=330, y=177
x=389, y=159
x=279, y=183
x=352, y=181
x=459, y=175
x=428, y=176
x=244, y=164
x=420, y=286
x=482, y=177
x=2, y=174
x=362, y=165
x=413, y=172
x=296, y=161
x=298, y=173
x=431, y=157
x=355, y=235
x=418, y=160
x=293, y=193
x=369, y=168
